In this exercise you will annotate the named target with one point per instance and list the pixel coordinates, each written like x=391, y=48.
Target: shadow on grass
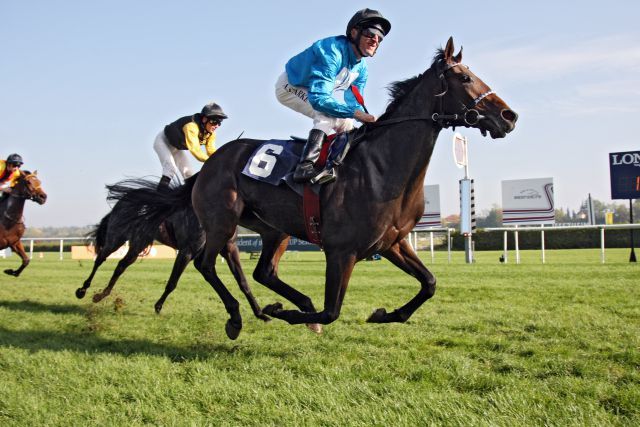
x=88, y=343
x=38, y=307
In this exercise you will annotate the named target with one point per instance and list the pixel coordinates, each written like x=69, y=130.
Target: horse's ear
x=448, y=50
x=35, y=172
x=458, y=57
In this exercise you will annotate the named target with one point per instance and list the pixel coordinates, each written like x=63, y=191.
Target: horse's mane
x=24, y=172
x=399, y=89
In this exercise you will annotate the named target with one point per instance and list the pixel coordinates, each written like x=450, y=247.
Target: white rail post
x=506, y=240
x=602, y=245
x=31, y=249
x=542, y=242
x=449, y=244
x=431, y=246
x=61, y=248
x=515, y=234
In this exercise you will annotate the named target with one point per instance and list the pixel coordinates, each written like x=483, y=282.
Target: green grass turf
x=527, y=344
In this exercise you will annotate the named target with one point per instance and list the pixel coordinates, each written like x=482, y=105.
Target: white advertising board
x=431, y=216
x=528, y=201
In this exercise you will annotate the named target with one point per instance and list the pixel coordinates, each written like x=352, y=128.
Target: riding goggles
x=371, y=32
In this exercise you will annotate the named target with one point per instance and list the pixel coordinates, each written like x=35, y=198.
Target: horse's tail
x=98, y=234
x=142, y=208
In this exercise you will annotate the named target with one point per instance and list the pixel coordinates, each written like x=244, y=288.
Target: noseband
x=469, y=115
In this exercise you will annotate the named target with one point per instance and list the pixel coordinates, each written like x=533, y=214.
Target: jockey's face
x=369, y=41
x=12, y=166
x=211, y=124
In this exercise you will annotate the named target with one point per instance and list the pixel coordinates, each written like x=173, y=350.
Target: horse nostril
x=509, y=115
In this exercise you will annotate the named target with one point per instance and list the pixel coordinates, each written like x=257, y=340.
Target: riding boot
x=305, y=171
x=163, y=185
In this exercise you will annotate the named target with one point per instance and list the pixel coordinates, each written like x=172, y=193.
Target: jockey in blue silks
x=318, y=83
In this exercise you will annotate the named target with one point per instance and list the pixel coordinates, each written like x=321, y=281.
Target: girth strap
x=311, y=211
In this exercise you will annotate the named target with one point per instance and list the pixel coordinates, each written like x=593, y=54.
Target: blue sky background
x=86, y=86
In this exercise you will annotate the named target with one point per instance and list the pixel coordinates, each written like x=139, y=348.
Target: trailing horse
x=131, y=220
x=371, y=207
x=28, y=187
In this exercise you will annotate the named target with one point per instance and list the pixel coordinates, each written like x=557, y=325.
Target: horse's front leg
x=339, y=269
x=402, y=255
x=19, y=249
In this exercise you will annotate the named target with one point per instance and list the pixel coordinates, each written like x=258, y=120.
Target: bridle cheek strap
x=470, y=116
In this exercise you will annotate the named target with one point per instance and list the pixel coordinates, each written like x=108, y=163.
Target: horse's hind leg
x=339, y=269
x=123, y=264
x=403, y=256
x=205, y=263
x=274, y=245
x=232, y=255
x=181, y=262
x=101, y=257
x=19, y=249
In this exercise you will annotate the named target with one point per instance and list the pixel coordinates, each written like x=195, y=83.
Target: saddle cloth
x=274, y=160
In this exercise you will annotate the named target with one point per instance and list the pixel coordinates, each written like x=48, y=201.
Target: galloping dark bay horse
x=375, y=202
x=27, y=187
x=371, y=207
x=181, y=231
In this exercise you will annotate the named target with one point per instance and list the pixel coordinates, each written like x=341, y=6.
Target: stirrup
x=324, y=177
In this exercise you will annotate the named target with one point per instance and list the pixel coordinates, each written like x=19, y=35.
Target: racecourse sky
x=86, y=85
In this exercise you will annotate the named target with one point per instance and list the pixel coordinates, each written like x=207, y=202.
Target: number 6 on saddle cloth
x=275, y=160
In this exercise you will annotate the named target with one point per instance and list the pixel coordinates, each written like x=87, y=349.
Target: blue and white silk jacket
x=327, y=69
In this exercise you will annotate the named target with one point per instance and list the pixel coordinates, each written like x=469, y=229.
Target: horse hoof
x=97, y=297
x=232, y=330
x=10, y=272
x=377, y=316
x=80, y=293
x=316, y=328
x=271, y=309
x=158, y=308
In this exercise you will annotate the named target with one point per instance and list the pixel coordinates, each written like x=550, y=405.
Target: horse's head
x=465, y=100
x=29, y=187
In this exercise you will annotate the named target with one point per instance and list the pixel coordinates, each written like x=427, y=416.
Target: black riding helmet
x=15, y=159
x=369, y=18
x=213, y=111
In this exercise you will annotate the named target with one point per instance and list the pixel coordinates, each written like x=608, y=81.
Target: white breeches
x=296, y=98
x=171, y=158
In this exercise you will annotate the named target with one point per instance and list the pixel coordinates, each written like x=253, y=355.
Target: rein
x=471, y=116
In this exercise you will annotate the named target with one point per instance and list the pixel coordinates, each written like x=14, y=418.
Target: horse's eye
x=466, y=78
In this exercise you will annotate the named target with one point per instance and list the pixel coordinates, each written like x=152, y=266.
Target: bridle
x=31, y=194
x=469, y=115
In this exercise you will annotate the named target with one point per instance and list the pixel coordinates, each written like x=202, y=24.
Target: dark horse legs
x=339, y=269
x=232, y=255
x=19, y=249
x=402, y=255
x=274, y=244
x=130, y=257
x=101, y=257
x=205, y=262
